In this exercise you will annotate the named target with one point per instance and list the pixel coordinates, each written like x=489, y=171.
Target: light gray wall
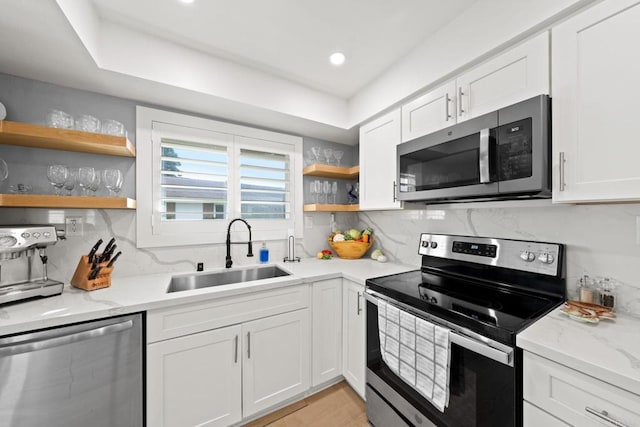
x=29, y=101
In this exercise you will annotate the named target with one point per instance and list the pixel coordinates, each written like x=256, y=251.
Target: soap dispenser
x=264, y=253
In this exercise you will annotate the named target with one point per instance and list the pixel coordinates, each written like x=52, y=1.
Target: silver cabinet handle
x=359, y=307
x=235, y=355
x=460, y=93
x=394, y=192
x=483, y=158
x=42, y=344
x=604, y=415
x=447, y=116
x=248, y=345
x=561, y=183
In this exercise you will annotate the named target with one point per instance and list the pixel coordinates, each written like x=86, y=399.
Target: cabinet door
x=432, y=111
x=354, y=335
x=195, y=380
x=378, y=141
x=327, y=331
x=518, y=74
x=276, y=360
x=595, y=116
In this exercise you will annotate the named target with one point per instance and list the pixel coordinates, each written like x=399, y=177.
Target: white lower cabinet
x=573, y=397
x=219, y=376
x=536, y=417
x=353, y=318
x=276, y=360
x=326, y=331
x=195, y=380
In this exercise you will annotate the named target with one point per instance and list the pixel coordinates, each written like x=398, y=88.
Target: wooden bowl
x=350, y=249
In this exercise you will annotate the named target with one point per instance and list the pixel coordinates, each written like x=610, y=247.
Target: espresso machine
x=18, y=242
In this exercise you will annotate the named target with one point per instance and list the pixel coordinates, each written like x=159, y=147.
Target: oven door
x=484, y=385
x=456, y=162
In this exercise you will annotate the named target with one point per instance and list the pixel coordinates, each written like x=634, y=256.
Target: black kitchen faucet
x=228, y=260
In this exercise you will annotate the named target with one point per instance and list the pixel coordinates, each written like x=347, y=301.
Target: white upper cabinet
x=515, y=75
x=596, y=65
x=378, y=141
x=430, y=112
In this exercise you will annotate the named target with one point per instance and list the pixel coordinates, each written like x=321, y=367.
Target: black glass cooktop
x=494, y=311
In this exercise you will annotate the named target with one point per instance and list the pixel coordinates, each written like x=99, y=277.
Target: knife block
x=81, y=280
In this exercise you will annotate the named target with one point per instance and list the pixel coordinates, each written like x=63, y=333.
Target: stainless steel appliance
x=484, y=291
x=19, y=240
x=87, y=374
x=500, y=155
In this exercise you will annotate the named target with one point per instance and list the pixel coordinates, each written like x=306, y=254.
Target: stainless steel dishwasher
x=87, y=374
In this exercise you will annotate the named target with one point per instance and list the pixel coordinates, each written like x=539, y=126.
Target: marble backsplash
x=600, y=239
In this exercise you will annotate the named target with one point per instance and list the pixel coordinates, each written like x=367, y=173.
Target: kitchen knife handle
x=108, y=247
x=114, y=259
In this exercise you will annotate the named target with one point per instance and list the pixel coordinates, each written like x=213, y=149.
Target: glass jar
x=586, y=290
x=607, y=293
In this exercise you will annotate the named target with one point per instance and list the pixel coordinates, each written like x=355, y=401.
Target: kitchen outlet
x=73, y=226
x=200, y=266
x=308, y=221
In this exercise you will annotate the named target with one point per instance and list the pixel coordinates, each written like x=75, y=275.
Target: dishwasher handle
x=56, y=341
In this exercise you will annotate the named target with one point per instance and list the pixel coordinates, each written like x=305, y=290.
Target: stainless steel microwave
x=501, y=155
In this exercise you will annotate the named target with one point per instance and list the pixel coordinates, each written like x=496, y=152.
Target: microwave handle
x=485, y=172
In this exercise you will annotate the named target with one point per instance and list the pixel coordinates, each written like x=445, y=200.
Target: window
x=194, y=175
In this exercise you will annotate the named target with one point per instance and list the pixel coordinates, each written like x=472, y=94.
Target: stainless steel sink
x=188, y=282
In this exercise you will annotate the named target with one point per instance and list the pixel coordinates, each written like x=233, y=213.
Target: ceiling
x=259, y=62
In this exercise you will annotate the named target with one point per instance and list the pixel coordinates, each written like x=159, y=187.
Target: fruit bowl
x=350, y=249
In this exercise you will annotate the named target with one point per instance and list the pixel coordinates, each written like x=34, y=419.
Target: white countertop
x=141, y=293
x=608, y=350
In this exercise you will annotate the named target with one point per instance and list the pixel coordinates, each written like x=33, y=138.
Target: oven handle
x=503, y=356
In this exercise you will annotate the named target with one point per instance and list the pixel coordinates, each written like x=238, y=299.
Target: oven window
x=450, y=164
x=482, y=391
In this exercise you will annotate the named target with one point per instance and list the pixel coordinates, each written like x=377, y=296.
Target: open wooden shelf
x=28, y=135
x=53, y=201
x=328, y=171
x=331, y=208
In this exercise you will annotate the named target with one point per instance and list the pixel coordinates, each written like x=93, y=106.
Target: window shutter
x=265, y=185
x=193, y=180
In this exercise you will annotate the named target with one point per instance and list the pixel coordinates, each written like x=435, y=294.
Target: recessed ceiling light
x=187, y=1
x=337, y=58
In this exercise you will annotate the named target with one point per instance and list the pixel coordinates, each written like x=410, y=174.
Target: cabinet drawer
x=575, y=397
x=536, y=417
x=186, y=319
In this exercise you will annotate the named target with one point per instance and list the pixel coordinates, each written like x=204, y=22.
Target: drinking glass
x=318, y=189
x=95, y=183
x=113, y=127
x=326, y=189
x=87, y=123
x=4, y=171
x=111, y=179
x=334, y=190
x=57, y=175
x=59, y=119
x=86, y=175
x=328, y=154
x=316, y=153
x=312, y=189
x=70, y=183
x=338, y=155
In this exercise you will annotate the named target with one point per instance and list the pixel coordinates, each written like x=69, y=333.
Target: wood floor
x=338, y=405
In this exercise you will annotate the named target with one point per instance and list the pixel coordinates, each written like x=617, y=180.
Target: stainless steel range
x=18, y=245
x=480, y=292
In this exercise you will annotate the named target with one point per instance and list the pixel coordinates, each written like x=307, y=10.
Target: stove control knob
x=546, y=258
x=425, y=243
x=434, y=245
x=433, y=300
x=527, y=256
